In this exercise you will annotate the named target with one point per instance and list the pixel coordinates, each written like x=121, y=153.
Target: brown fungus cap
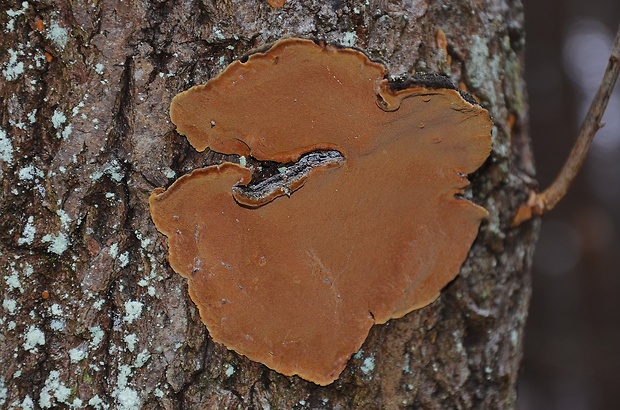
x=375, y=231
x=276, y=3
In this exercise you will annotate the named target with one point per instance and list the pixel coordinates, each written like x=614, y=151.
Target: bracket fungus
x=276, y=3
x=368, y=224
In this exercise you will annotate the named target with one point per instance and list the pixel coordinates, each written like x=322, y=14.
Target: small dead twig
x=540, y=203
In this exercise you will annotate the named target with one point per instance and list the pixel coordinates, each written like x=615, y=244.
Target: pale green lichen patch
x=96, y=335
x=28, y=232
x=229, y=369
x=368, y=365
x=133, y=310
x=58, y=119
x=483, y=70
x=349, y=39
x=13, y=14
x=514, y=338
x=131, y=341
x=146, y=281
x=501, y=149
x=29, y=173
x=58, y=243
x=112, y=169
x=407, y=365
x=77, y=354
x=58, y=325
x=113, y=250
x=142, y=358
x=34, y=337
x=169, y=173
x=13, y=68
x=144, y=241
x=126, y=397
x=27, y=403
x=55, y=392
x=12, y=281
x=56, y=310
x=6, y=148
x=58, y=35
x=123, y=259
x=217, y=33
x=64, y=218
x=32, y=116
x=99, y=68
x=97, y=403
x=10, y=305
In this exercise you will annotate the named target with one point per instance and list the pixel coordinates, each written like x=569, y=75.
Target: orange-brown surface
x=297, y=282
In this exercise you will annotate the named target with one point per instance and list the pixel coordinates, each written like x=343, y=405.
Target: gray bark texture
x=92, y=316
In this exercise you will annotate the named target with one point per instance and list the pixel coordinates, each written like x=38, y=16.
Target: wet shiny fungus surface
x=294, y=274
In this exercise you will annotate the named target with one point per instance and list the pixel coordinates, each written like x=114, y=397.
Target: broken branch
x=540, y=203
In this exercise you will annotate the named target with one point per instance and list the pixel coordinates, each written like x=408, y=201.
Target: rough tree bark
x=92, y=316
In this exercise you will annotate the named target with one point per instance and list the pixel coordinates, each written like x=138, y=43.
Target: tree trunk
x=93, y=316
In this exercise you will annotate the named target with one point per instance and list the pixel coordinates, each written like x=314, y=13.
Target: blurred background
x=572, y=339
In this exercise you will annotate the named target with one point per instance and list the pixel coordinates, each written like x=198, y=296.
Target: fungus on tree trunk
x=276, y=3
x=368, y=224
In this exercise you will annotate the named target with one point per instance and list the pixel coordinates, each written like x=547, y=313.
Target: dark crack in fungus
x=368, y=226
